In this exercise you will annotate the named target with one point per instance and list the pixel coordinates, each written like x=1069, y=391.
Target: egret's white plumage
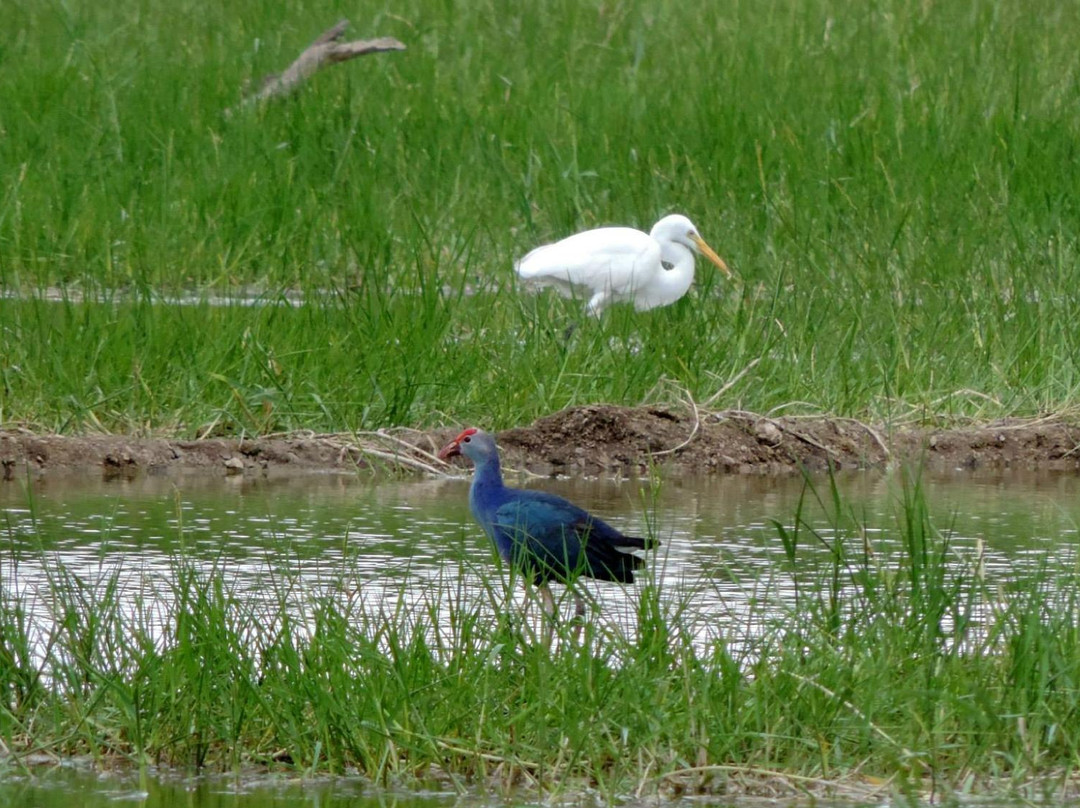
x=620, y=264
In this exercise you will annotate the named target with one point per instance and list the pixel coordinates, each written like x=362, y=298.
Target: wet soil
x=589, y=440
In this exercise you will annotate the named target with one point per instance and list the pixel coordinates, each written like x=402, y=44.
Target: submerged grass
x=894, y=183
x=881, y=665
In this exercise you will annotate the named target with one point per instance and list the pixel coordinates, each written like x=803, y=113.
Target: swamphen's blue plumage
x=542, y=536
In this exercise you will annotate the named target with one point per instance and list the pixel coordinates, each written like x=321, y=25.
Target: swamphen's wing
x=544, y=536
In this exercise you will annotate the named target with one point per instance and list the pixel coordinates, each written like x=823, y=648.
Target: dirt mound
x=594, y=439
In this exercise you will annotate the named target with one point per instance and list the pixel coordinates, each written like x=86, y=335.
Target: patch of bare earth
x=594, y=439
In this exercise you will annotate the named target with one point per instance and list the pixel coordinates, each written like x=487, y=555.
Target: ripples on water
x=73, y=784
x=411, y=548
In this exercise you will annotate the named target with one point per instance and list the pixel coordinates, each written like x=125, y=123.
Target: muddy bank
x=595, y=439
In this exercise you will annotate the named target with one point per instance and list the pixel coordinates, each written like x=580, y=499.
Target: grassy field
x=894, y=182
x=885, y=664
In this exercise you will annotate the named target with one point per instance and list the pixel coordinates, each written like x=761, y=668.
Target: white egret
x=621, y=264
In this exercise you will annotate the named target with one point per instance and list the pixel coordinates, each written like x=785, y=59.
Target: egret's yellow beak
x=707, y=251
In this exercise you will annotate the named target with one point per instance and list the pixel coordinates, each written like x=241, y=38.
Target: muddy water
x=398, y=543
x=76, y=785
x=414, y=541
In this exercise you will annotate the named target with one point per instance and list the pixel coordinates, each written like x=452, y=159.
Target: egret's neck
x=671, y=284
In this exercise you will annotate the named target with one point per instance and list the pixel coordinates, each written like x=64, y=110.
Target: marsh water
x=78, y=786
x=399, y=543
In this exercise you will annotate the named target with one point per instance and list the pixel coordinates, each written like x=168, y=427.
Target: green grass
x=894, y=182
x=893, y=662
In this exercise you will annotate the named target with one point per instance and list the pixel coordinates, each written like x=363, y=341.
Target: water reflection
x=55, y=787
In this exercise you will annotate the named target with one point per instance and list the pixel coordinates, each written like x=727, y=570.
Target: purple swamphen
x=543, y=537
